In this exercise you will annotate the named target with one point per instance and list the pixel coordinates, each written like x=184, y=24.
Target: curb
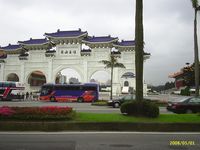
x=96, y=126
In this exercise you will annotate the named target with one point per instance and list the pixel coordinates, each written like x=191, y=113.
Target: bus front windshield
x=46, y=90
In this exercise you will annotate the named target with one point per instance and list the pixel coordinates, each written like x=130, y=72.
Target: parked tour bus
x=11, y=90
x=87, y=92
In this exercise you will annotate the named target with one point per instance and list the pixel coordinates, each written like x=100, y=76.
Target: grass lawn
x=165, y=118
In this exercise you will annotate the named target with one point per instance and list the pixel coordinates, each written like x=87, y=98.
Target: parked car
x=116, y=103
x=186, y=105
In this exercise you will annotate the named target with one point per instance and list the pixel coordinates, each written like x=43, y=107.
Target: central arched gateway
x=68, y=76
x=36, y=79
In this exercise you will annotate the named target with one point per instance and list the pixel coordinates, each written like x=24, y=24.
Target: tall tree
x=139, y=53
x=196, y=53
x=112, y=63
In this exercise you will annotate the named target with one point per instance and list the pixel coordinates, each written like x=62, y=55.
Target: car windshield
x=195, y=100
x=128, y=97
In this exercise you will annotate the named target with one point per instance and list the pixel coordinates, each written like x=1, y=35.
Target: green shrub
x=185, y=92
x=100, y=103
x=150, y=110
x=140, y=108
x=126, y=108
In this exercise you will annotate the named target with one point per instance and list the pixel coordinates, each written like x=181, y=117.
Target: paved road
x=79, y=107
x=86, y=107
x=99, y=141
x=165, y=97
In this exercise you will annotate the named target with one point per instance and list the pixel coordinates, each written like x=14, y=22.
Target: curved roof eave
x=99, y=42
x=115, y=45
x=33, y=44
x=8, y=50
x=69, y=37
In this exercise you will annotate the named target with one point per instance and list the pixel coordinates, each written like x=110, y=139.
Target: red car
x=187, y=105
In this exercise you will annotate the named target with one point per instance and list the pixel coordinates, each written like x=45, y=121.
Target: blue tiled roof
x=34, y=41
x=126, y=43
x=11, y=47
x=100, y=39
x=73, y=33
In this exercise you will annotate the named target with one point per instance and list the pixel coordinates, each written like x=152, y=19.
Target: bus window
x=46, y=90
x=90, y=88
x=12, y=85
x=1, y=91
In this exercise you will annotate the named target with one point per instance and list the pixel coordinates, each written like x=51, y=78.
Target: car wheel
x=53, y=99
x=116, y=105
x=189, y=111
x=80, y=99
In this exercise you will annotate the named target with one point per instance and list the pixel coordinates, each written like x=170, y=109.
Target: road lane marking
x=102, y=132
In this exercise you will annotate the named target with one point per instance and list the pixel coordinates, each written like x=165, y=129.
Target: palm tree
x=112, y=63
x=139, y=53
x=196, y=55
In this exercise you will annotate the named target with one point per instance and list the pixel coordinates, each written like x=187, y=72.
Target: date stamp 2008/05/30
x=181, y=143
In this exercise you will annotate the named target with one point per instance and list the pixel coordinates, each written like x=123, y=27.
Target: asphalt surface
x=79, y=107
x=87, y=107
x=99, y=141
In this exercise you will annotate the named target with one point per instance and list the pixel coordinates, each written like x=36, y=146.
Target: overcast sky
x=168, y=26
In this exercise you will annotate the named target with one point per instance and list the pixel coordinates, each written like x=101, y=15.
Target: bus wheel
x=80, y=99
x=53, y=99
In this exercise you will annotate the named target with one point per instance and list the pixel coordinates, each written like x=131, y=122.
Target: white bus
x=11, y=90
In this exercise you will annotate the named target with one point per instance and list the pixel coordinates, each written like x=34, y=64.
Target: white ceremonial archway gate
x=64, y=49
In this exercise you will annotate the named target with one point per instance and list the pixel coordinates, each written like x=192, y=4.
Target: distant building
x=73, y=80
x=184, y=77
x=63, y=79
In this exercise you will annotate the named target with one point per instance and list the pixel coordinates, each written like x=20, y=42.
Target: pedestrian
x=23, y=96
x=31, y=96
x=27, y=95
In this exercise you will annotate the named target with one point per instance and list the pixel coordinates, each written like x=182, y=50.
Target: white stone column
x=116, y=82
x=1, y=71
x=85, y=72
x=22, y=71
x=50, y=71
x=22, y=77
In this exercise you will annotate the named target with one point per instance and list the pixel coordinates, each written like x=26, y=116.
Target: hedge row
x=36, y=113
x=96, y=126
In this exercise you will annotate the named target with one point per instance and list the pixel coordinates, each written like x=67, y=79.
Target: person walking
x=27, y=95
